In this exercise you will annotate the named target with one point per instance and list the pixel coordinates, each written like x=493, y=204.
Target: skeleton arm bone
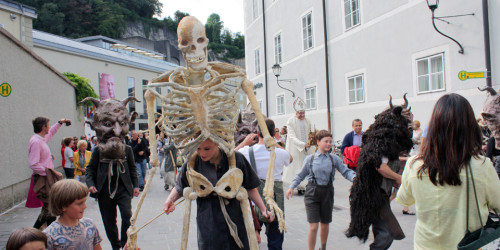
x=268, y=192
x=247, y=86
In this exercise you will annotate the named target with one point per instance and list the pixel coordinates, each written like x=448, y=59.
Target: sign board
x=5, y=89
x=464, y=75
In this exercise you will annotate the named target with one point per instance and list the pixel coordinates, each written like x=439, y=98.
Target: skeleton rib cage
x=193, y=113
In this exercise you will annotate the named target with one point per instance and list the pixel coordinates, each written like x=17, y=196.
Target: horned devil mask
x=491, y=114
x=111, y=123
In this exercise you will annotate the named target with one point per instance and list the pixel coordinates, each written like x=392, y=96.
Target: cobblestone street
x=165, y=232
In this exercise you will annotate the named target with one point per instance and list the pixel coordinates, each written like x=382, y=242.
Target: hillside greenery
x=82, y=18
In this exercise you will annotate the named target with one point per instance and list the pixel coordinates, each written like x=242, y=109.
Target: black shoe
x=141, y=189
x=166, y=187
x=408, y=212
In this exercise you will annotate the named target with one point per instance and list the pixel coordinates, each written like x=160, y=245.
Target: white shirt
x=262, y=160
x=68, y=152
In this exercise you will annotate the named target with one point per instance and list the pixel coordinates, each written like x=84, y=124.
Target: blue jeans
x=141, y=171
x=274, y=237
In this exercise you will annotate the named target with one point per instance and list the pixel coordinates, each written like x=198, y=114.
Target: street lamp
x=433, y=5
x=277, y=73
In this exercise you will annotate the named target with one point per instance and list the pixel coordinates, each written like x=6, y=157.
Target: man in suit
x=353, y=138
x=111, y=173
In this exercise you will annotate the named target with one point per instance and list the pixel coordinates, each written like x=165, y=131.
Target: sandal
x=408, y=212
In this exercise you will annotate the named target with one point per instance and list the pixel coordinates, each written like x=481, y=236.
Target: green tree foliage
x=227, y=37
x=109, y=19
x=80, y=18
x=83, y=88
x=222, y=41
x=213, y=28
x=50, y=17
x=239, y=40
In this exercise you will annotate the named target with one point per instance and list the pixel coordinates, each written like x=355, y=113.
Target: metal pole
x=327, y=70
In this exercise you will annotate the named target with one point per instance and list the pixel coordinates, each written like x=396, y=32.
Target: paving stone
x=165, y=232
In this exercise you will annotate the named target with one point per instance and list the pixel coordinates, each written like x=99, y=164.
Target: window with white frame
x=356, y=88
x=430, y=73
x=311, y=98
x=307, y=37
x=277, y=48
x=255, y=10
x=257, y=61
x=351, y=11
x=280, y=104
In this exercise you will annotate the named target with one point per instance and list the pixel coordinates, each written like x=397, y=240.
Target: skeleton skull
x=491, y=114
x=193, y=42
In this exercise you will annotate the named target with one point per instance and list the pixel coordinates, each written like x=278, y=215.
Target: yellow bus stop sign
x=464, y=75
x=5, y=89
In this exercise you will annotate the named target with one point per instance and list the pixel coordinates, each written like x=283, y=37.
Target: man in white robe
x=296, y=144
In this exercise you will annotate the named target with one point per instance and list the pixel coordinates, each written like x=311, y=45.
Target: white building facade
x=374, y=49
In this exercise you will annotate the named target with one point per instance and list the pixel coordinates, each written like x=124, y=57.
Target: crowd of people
x=433, y=175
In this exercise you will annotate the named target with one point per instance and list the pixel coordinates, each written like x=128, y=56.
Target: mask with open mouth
x=111, y=122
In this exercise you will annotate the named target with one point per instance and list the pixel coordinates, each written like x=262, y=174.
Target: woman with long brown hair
x=435, y=180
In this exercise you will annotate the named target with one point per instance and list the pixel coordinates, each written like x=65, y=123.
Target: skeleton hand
x=275, y=210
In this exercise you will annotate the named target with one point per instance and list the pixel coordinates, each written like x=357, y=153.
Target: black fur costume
x=387, y=136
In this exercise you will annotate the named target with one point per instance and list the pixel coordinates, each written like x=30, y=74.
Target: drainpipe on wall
x=486, y=31
x=327, y=72
x=265, y=56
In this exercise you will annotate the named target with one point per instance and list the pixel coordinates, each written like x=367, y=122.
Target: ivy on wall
x=83, y=88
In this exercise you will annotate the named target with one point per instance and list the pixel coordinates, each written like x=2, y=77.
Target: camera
x=68, y=123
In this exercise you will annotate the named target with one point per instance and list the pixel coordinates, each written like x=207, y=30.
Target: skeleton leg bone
x=242, y=197
x=189, y=195
x=131, y=232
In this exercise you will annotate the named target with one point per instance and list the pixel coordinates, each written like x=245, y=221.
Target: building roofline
x=112, y=40
x=50, y=41
x=34, y=55
x=18, y=8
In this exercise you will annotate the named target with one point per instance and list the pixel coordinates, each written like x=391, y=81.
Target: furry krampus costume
x=387, y=136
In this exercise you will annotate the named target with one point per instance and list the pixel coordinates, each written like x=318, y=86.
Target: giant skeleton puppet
x=200, y=106
x=491, y=114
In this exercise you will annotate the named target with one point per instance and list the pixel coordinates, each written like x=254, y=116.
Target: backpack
x=351, y=155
